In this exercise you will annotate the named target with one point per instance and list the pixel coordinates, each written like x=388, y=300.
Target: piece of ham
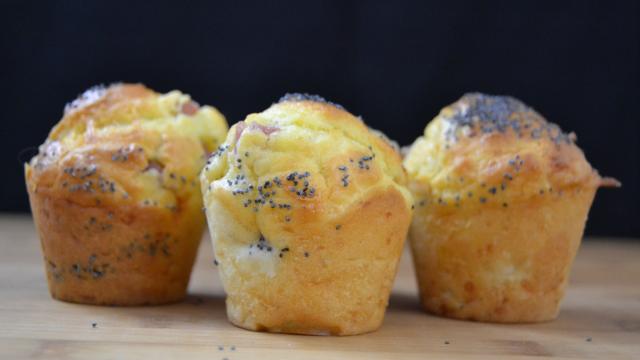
x=241, y=126
x=190, y=108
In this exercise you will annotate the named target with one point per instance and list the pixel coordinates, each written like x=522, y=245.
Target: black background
x=394, y=63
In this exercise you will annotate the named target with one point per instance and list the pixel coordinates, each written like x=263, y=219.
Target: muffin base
x=499, y=264
x=116, y=256
x=330, y=281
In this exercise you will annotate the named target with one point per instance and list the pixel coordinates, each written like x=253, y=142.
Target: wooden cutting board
x=600, y=318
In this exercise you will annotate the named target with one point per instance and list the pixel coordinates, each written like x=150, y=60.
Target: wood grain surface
x=600, y=318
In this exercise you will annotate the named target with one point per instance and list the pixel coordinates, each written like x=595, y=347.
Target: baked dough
x=308, y=213
x=502, y=197
x=115, y=197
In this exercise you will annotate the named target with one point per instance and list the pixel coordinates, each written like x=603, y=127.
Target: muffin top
x=494, y=150
x=302, y=159
x=127, y=144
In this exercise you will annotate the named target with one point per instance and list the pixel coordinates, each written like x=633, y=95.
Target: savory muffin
x=308, y=213
x=502, y=197
x=115, y=197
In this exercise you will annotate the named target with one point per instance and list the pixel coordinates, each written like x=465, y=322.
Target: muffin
x=502, y=197
x=115, y=196
x=308, y=212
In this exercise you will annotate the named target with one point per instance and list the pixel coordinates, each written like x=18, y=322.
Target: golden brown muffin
x=502, y=197
x=115, y=198
x=308, y=213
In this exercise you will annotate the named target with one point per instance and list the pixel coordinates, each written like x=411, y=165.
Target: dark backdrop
x=394, y=63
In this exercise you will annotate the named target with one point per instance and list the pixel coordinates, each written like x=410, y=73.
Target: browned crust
x=115, y=255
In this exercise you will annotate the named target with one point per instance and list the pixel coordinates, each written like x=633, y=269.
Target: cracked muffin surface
x=308, y=211
x=115, y=196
